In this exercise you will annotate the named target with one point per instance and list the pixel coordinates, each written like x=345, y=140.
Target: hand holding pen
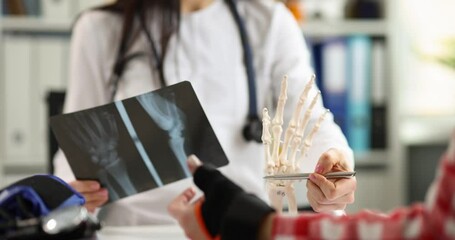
x=326, y=194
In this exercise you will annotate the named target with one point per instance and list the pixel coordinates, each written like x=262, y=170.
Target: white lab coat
x=208, y=53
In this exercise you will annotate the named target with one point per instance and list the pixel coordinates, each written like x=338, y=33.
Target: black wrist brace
x=244, y=217
x=219, y=192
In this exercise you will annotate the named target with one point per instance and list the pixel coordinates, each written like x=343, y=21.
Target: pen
x=300, y=176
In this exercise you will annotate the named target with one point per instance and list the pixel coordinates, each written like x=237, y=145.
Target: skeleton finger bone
x=309, y=139
x=277, y=121
x=267, y=141
x=300, y=132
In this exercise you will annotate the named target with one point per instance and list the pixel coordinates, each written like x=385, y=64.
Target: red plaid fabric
x=433, y=220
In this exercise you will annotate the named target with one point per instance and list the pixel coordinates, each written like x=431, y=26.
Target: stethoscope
x=252, y=130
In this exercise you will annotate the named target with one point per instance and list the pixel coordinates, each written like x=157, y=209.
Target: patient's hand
x=95, y=196
x=183, y=209
x=221, y=213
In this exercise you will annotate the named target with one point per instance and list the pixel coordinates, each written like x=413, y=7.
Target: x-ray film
x=139, y=143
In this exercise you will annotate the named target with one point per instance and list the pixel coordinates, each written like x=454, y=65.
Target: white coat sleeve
x=87, y=83
x=291, y=56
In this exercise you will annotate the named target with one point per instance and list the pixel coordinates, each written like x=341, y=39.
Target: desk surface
x=165, y=232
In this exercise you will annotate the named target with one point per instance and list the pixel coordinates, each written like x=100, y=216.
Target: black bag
x=44, y=207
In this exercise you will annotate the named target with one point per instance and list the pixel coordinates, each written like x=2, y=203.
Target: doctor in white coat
x=200, y=41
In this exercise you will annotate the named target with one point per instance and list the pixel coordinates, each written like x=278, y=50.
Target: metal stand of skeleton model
x=284, y=157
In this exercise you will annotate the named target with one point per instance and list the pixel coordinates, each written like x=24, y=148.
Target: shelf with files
x=313, y=28
x=328, y=28
x=44, y=15
x=324, y=32
x=35, y=25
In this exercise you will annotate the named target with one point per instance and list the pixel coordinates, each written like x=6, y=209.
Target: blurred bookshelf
x=34, y=50
x=321, y=28
x=43, y=16
x=328, y=32
x=331, y=28
x=35, y=25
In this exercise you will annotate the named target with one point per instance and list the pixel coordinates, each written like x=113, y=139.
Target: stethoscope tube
x=253, y=128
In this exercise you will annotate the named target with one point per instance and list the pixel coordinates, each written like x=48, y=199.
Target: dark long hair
x=165, y=12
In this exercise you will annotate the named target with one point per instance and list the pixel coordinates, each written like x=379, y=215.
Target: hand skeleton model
x=285, y=157
x=98, y=136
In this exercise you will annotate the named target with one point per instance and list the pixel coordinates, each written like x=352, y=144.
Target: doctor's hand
x=222, y=210
x=95, y=196
x=334, y=194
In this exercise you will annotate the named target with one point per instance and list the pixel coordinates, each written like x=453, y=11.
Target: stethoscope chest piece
x=253, y=130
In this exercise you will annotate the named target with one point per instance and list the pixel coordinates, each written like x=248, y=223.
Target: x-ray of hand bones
x=97, y=134
x=170, y=118
x=285, y=157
